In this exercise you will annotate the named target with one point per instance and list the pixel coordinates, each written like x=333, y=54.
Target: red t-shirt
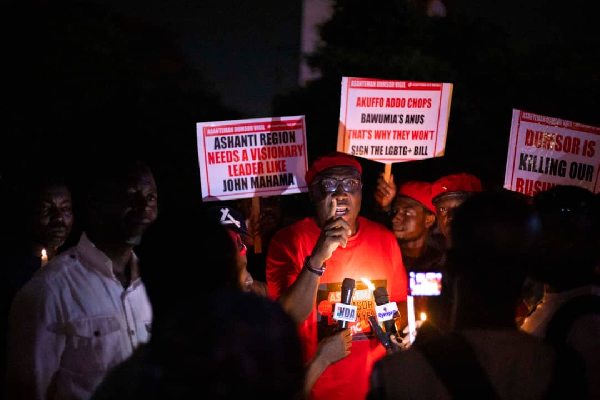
x=373, y=253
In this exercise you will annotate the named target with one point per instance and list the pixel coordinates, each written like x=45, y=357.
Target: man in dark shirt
x=448, y=193
x=413, y=218
x=41, y=221
x=412, y=222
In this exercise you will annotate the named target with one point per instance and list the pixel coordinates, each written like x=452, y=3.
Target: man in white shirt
x=87, y=310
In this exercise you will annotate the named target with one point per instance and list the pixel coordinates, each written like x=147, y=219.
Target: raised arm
x=299, y=298
x=385, y=191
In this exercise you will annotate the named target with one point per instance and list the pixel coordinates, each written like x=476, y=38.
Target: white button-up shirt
x=584, y=333
x=71, y=323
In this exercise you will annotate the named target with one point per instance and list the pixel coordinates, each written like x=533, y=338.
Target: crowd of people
x=222, y=301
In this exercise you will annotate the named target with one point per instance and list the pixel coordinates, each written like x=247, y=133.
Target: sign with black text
x=545, y=151
x=252, y=157
x=393, y=121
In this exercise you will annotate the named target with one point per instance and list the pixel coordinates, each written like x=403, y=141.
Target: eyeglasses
x=350, y=185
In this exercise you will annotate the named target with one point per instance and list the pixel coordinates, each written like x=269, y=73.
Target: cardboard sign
x=252, y=157
x=393, y=121
x=544, y=152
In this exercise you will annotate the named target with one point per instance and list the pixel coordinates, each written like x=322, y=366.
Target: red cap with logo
x=461, y=184
x=419, y=191
x=336, y=159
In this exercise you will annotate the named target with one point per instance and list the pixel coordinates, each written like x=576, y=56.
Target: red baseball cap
x=419, y=191
x=461, y=184
x=336, y=159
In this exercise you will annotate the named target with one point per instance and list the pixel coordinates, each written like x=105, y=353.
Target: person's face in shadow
x=411, y=221
x=444, y=210
x=52, y=217
x=245, y=280
x=270, y=214
x=133, y=207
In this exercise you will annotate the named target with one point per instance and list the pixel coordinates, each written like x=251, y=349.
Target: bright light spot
x=423, y=316
x=368, y=283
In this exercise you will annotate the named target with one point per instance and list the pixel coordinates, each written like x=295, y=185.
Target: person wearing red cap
x=235, y=223
x=448, y=193
x=484, y=356
x=413, y=217
x=308, y=260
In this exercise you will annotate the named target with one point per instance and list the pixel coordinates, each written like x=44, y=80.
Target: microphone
x=382, y=298
x=348, y=286
x=383, y=337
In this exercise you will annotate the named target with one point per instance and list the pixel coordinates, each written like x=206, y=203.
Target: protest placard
x=393, y=121
x=252, y=157
x=545, y=151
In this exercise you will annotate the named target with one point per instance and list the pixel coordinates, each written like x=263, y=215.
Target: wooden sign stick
x=255, y=217
x=387, y=174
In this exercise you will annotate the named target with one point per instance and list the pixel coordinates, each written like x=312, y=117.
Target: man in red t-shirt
x=307, y=262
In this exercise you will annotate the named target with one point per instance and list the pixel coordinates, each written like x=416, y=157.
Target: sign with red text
x=252, y=157
x=393, y=121
x=544, y=152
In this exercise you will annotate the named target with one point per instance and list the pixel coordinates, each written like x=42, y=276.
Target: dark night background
x=89, y=79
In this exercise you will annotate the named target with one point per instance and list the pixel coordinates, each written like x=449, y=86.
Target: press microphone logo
x=344, y=312
x=386, y=311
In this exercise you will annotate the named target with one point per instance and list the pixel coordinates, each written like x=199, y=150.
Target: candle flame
x=44, y=254
x=423, y=316
x=368, y=283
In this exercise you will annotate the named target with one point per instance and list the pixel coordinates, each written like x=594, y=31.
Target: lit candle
x=44, y=257
x=369, y=284
x=410, y=311
x=370, y=287
x=423, y=317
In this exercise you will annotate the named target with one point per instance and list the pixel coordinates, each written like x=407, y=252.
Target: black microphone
x=382, y=297
x=348, y=286
x=383, y=337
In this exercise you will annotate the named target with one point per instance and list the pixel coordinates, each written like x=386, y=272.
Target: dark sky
x=247, y=51
x=86, y=83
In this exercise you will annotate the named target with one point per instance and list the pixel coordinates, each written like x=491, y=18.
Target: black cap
x=567, y=207
x=230, y=218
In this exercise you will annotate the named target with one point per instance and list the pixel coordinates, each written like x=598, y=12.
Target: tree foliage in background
x=536, y=56
x=86, y=82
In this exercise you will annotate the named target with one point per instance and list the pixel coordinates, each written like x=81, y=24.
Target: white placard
x=252, y=157
x=544, y=152
x=393, y=121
